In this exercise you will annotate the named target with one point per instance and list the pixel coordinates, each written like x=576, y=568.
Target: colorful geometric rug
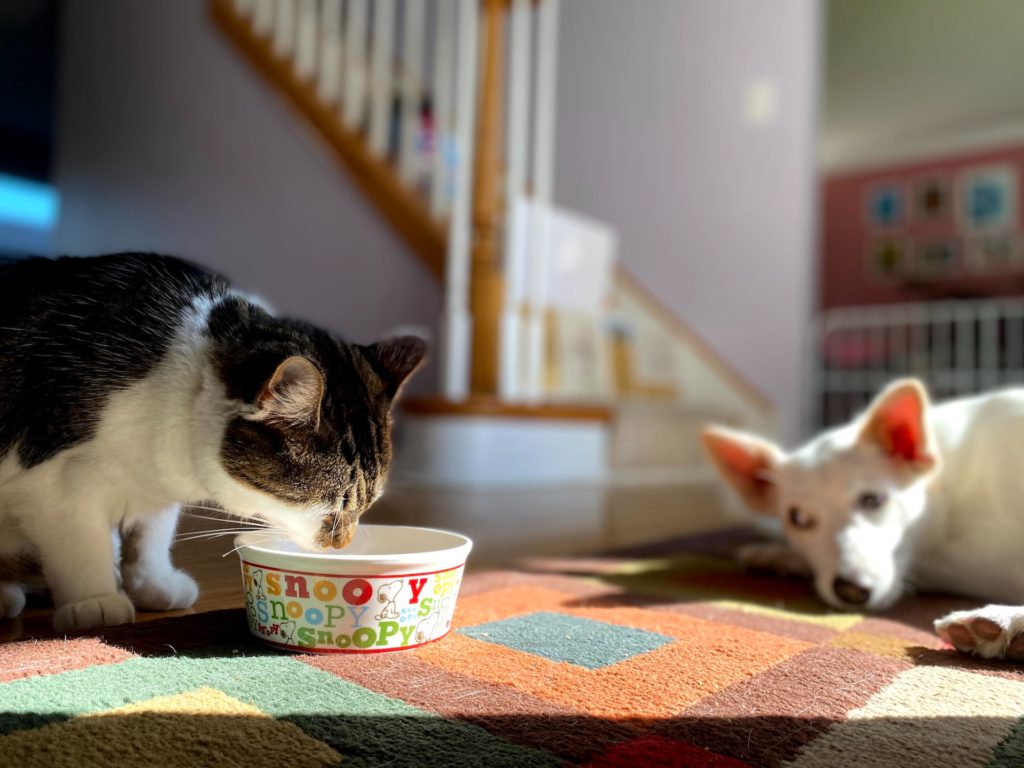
x=679, y=660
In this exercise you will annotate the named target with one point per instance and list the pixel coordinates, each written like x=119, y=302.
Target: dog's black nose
x=849, y=592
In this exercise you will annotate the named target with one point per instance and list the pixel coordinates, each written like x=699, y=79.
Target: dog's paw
x=992, y=632
x=12, y=600
x=773, y=557
x=169, y=592
x=103, y=611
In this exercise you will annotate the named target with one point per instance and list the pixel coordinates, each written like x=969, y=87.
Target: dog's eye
x=800, y=519
x=870, y=501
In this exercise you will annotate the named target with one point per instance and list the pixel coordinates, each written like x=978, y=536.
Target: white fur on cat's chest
x=139, y=461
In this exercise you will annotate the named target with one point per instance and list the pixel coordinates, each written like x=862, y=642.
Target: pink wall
x=847, y=238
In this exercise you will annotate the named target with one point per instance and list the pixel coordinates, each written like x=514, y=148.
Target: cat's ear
x=291, y=396
x=395, y=360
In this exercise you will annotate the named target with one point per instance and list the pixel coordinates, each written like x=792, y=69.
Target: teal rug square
x=571, y=639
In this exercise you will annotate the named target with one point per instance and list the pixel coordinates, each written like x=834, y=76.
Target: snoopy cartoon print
x=387, y=595
x=425, y=629
x=445, y=609
x=287, y=631
x=257, y=584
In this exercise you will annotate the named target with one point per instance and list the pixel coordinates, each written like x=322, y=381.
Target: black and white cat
x=133, y=383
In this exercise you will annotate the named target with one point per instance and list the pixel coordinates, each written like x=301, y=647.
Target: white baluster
x=543, y=183
x=444, y=71
x=381, y=75
x=263, y=16
x=284, y=28
x=354, y=66
x=544, y=114
x=536, y=295
x=306, y=42
x=457, y=323
x=412, y=89
x=516, y=157
x=329, y=80
x=1015, y=342
x=988, y=352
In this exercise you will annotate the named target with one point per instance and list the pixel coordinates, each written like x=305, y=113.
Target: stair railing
x=421, y=85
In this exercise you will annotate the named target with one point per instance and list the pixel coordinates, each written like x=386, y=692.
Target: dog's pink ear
x=746, y=462
x=896, y=423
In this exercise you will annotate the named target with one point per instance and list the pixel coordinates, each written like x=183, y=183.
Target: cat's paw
x=773, y=557
x=992, y=632
x=169, y=592
x=103, y=611
x=12, y=600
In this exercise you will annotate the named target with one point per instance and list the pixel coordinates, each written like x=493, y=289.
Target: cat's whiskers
x=217, y=530
x=221, y=516
x=214, y=534
x=257, y=539
x=227, y=521
x=216, y=510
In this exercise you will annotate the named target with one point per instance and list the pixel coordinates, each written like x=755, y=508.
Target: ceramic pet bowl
x=392, y=588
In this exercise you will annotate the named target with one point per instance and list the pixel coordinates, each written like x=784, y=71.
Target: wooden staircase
x=488, y=97
x=425, y=220
x=406, y=210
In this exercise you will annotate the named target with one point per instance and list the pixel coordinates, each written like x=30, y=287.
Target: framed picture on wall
x=885, y=205
x=994, y=254
x=888, y=258
x=936, y=259
x=987, y=199
x=932, y=199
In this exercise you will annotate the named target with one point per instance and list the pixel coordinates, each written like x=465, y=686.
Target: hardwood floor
x=505, y=525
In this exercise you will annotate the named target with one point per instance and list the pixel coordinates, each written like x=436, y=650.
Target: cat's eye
x=871, y=501
x=800, y=519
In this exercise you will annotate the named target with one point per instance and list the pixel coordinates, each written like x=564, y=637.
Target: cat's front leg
x=149, y=577
x=992, y=632
x=77, y=556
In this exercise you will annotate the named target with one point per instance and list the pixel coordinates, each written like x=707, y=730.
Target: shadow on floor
x=703, y=568
x=359, y=739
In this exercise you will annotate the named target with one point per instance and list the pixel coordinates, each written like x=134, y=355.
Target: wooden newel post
x=486, y=287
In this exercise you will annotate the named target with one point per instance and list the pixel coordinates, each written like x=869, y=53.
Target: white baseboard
x=486, y=452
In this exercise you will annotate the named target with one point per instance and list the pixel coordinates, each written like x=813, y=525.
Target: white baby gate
x=957, y=347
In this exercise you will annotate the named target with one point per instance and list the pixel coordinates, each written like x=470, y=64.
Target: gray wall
x=716, y=217
x=961, y=61
x=168, y=141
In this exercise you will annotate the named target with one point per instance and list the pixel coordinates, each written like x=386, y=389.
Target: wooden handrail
x=400, y=205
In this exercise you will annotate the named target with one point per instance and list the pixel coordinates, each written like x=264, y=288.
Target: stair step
x=495, y=408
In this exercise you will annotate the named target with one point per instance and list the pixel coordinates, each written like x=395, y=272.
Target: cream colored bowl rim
x=457, y=550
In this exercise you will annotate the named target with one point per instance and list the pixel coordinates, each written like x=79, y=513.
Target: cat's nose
x=850, y=592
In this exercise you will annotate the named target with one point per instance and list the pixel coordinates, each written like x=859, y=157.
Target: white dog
x=907, y=495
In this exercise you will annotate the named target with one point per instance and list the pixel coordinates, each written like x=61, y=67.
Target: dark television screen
x=28, y=75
